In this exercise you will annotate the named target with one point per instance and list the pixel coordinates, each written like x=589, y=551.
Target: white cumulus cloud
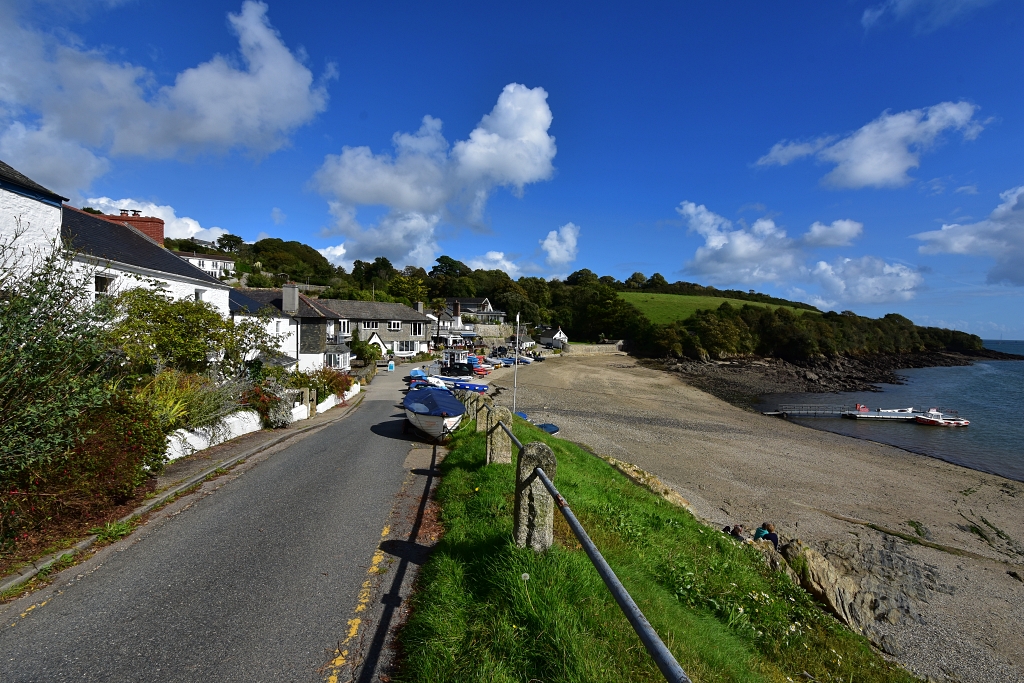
x=496, y=260
x=741, y=255
x=840, y=233
x=425, y=180
x=1000, y=236
x=866, y=280
x=81, y=104
x=731, y=254
x=881, y=153
x=335, y=254
x=561, y=246
x=928, y=15
x=178, y=227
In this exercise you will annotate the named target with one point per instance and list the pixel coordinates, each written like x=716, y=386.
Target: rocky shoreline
x=742, y=381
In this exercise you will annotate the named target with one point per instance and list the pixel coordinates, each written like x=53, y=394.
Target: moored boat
x=937, y=418
x=433, y=411
x=862, y=412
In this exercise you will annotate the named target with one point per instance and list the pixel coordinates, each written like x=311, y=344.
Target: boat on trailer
x=433, y=410
x=936, y=418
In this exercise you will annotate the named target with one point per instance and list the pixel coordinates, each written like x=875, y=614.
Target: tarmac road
x=254, y=582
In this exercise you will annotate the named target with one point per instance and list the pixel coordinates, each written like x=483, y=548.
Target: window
x=344, y=324
x=405, y=347
x=332, y=360
x=277, y=327
x=103, y=283
x=417, y=329
x=370, y=324
x=202, y=264
x=395, y=326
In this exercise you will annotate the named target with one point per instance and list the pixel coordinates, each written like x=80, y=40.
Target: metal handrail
x=661, y=655
x=656, y=647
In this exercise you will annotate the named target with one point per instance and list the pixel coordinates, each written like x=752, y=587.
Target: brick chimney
x=149, y=226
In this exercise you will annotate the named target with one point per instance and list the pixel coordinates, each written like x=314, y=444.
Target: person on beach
x=767, y=532
x=737, y=533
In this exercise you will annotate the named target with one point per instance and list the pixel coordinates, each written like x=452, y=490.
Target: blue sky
x=860, y=154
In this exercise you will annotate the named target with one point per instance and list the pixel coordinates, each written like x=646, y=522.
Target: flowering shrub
x=269, y=400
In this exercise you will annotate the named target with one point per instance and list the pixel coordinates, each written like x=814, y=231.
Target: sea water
x=989, y=393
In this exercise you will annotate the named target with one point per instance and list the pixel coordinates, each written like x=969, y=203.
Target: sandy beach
x=952, y=614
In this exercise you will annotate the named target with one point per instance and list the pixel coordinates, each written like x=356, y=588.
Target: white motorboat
x=937, y=418
x=433, y=410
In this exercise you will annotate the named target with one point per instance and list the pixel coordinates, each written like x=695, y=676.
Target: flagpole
x=515, y=369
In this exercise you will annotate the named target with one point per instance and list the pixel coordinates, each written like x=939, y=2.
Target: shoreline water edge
x=922, y=556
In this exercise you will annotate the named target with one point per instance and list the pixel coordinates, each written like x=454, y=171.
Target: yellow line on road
x=362, y=602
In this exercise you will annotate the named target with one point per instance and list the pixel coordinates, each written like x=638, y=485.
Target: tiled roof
x=372, y=310
x=15, y=177
x=308, y=308
x=107, y=240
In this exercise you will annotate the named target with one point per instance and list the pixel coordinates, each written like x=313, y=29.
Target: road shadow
x=408, y=552
x=395, y=429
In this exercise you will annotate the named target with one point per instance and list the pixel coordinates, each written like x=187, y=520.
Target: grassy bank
x=715, y=603
x=668, y=308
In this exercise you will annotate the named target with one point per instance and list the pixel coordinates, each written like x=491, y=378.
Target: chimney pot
x=124, y=212
x=136, y=212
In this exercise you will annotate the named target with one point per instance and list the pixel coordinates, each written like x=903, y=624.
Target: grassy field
x=667, y=308
x=485, y=610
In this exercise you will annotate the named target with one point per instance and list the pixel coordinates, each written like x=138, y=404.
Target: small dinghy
x=549, y=428
x=469, y=386
x=936, y=418
x=433, y=411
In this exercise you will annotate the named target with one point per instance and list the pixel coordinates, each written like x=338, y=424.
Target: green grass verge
x=667, y=308
x=724, y=614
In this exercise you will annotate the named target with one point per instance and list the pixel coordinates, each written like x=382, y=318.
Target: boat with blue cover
x=433, y=411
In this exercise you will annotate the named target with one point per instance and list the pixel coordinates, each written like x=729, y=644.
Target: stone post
x=312, y=402
x=499, y=446
x=470, y=401
x=482, y=412
x=534, y=506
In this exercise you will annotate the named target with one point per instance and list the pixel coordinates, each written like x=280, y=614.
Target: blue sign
x=391, y=366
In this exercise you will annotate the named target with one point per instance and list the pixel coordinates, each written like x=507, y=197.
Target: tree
x=230, y=243
x=636, y=281
x=54, y=364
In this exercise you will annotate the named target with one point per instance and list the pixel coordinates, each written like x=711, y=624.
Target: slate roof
x=308, y=308
x=206, y=257
x=107, y=240
x=239, y=302
x=372, y=310
x=466, y=301
x=15, y=177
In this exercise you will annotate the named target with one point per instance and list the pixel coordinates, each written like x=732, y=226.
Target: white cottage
x=120, y=255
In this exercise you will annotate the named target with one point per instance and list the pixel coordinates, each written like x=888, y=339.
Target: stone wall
x=583, y=349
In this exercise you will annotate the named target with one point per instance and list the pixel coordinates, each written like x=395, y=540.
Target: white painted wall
x=39, y=221
x=130, y=277
x=184, y=442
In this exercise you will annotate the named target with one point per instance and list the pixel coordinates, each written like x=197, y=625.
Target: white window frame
x=394, y=326
x=417, y=329
x=345, y=329
x=370, y=325
x=108, y=285
x=405, y=346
